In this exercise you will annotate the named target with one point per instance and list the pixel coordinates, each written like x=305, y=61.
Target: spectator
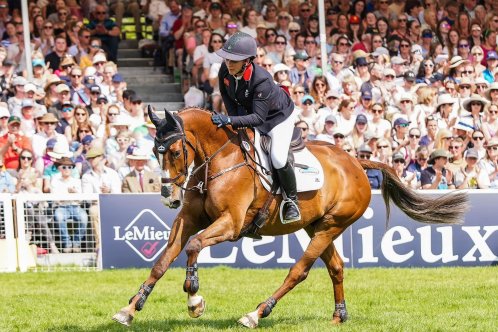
x=4, y=118
x=374, y=175
x=15, y=101
x=106, y=30
x=7, y=182
x=437, y=176
x=99, y=179
x=65, y=183
x=54, y=58
x=327, y=134
x=406, y=177
x=140, y=179
x=78, y=94
x=120, y=7
x=48, y=124
x=12, y=143
x=489, y=163
x=469, y=175
x=166, y=35
x=420, y=163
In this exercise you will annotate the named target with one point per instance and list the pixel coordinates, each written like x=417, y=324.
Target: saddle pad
x=309, y=173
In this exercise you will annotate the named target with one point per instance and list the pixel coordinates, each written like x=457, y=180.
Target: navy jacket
x=254, y=100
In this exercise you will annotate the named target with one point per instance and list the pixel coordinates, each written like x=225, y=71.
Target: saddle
x=308, y=170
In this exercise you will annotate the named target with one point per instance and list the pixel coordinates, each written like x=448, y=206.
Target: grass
x=445, y=299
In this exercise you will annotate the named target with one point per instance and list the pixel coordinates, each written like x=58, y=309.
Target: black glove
x=221, y=120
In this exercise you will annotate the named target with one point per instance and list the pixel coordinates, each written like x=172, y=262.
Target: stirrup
x=288, y=221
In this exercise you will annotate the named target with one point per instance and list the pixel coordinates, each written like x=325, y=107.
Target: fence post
x=8, y=252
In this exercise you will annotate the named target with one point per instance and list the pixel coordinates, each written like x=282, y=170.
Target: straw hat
x=95, y=151
x=456, y=61
x=68, y=60
x=473, y=98
x=48, y=118
x=138, y=154
x=64, y=161
x=52, y=79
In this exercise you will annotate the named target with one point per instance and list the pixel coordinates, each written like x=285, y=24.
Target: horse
x=221, y=194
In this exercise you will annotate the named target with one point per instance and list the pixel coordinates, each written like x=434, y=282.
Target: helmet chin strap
x=241, y=71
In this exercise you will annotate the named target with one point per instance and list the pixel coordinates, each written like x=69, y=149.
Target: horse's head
x=171, y=151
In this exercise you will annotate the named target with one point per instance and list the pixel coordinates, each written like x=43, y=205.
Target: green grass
x=445, y=299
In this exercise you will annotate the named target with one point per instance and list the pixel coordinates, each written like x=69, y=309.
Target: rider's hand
x=221, y=120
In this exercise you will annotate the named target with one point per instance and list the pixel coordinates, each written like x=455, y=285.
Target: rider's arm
x=263, y=92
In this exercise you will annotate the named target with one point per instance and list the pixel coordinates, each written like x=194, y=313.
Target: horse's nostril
x=175, y=204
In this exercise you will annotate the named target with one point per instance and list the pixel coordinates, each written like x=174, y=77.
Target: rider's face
x=234, y=67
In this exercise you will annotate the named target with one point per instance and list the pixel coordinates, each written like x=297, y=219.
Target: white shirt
x=59, y=185
x=39, y=142
x=91, y=181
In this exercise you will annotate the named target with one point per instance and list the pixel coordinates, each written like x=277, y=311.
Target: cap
x=366, y=94
x=27, y=103
x=380, y=51
x=51, y=143
x=215, y=5
x=492, y=55
x=308, y=98
x=361, y=118
x=332, y=93
x=427, y=33
x=401, y=121
x=436, y=154
x=365, y=148
x=314, y=17
x=94, y=88
x=14, y=119
x=389, y=72
x=30, y=87
x=354, y=19
x=38, y=62
x=280, y=67
x=398, y=156
x=87, y=139
x=19, y=80
x=135, y=97
x=397, y=60
x=361, y=61
x=67, y=104
x=102, y=97
x=99, y=57
x=331, y=118
x=4, y=112
x=117, y=78
x=61, y=88
x=301, y=55
x=94, y=152
x=261, y=25
x=472, y=153
x=409, y=76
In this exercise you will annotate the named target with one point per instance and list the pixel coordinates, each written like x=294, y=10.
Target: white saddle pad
x=309, y=176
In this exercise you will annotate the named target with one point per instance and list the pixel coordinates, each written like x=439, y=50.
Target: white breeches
x=281, y=136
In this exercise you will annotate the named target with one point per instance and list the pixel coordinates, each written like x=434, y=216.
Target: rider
x=252, y=99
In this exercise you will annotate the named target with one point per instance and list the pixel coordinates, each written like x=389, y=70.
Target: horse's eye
x=176, y=154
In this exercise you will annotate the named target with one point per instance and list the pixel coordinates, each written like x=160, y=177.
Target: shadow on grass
x=184, y=324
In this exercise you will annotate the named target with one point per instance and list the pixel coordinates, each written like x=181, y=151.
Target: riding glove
x=221, y=120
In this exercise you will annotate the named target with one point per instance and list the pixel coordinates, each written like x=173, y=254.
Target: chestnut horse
x=222, y=194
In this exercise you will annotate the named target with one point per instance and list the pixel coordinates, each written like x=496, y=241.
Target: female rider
x=252, y=99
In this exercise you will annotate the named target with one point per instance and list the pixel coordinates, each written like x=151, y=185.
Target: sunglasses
x=293, y=31
x=112, y=114
x=50, y=123
x=308, y=103
x=339, y=136
x=465, y=87
x=283, y=17
x=67, y=109
x=85, y=131
x=475, y=103
x=48, y=27
x=66, y=66
x=67, y=167
x=414, y=136
x=490, y=112
x=4, y=118
x=382, y=146
x=305, y=10
x=309, y=42
x=480, y=138
x=319, y=84
x=377, y=111
x=270, y=35
x=467, y=72
x=100, y=13
x=298, y=92
x=332, y=98
x=303, y=129
x=343, y=44
x=399, y=161
x=404, y=45
x=422, y=159
x=402, y=20
x=482, y=86
x=463, y=45
x=453, y=147
x=26, y=158
x=76, y=76
x=267, y=65
x=494, y=148
x=476, y=54
x=80, y=114
x=280, y=43
x=364, y=156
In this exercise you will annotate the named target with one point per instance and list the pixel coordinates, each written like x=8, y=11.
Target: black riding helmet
x=239, y=47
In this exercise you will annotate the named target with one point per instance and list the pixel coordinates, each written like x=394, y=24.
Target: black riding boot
x=287, y=179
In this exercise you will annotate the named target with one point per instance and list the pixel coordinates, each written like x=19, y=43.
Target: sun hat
x=333, y=93
x=99, y=57
x=397, y=60
x=365, y=148
x=472, y=153
x=474, y=98
x=437, y=154
x=62, y=87
x=60, y=149
x=280, y=67
x=121, y=120
x=493, y=86
x=68, y=60
x=405, y=96
x=465, y=123
x=492, y=142
x=4, y=112
x=48, y=118
x=138, y=154
x=94, y=152
x=64, y=161
x=443, y=99
x=380, y=51
x=457, y=61
x=19, y=80
x=51, y=80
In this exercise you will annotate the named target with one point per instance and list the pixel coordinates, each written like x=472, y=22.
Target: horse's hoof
x=196, y=306
x=250, y=320
x=123, y=317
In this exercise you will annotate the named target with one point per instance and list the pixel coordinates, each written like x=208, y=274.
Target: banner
x=136, y=228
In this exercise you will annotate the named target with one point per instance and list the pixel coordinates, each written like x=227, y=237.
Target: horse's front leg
x=221, y=230
x=181, y=231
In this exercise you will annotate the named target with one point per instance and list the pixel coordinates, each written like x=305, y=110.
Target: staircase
x=157, y=89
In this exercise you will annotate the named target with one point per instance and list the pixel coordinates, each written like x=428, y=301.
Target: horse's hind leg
x=180, y=233
x=319, y=243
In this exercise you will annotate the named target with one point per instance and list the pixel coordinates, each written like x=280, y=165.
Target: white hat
x=465, y=123
x=61, y=149
x=474, y=97
x=445, y=98
x=62, y=87
x=138, y=154
x=280, y=67
x=405, y=96
x=380, y=51
x=456, y=61
x=389, y=71
x=120, y=120
x=99, y=57
x=30, y=87
x=4, y=112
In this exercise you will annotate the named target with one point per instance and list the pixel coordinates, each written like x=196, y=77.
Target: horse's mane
x=193, y=109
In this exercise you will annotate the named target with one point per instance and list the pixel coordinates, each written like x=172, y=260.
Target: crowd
x=407, y=83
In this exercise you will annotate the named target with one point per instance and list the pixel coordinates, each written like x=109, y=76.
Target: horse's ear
x=170, y=119
x=152, y=116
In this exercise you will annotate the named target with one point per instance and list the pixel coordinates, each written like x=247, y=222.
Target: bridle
x=162, y=145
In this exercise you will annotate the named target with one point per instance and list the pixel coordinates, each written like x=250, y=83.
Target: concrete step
x=147, y=80
x=141, y=71
x=126, y=53
x=135, y=62
x=161, y=96
x=128, y=44
x=156, y=88
x=170, y=106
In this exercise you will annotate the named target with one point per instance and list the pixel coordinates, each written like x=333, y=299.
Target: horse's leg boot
x=287, y=180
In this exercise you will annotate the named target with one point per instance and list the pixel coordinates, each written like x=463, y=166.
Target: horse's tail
x=446, y=209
